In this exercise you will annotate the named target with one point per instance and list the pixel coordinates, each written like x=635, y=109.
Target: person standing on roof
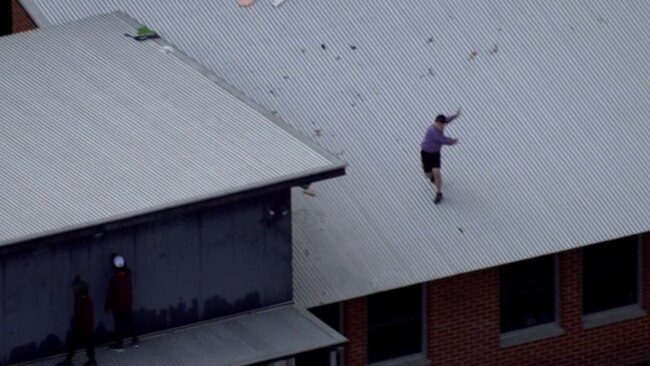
x=81, y=328
x=119, y=301
x=432, y=143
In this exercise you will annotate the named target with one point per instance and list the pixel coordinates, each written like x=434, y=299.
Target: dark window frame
x=608, y=303
x=422, y=324
x=509, y=326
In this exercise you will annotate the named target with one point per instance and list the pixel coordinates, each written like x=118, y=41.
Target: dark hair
x=80, y=285
x=441, y=118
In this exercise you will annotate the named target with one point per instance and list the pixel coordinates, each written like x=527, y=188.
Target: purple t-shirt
x=435, y=138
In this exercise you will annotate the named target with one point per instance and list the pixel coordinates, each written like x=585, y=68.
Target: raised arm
x=453, y=116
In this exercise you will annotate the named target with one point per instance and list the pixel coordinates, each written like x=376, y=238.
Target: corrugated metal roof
x=244, y=340
x=553, y=150
x=97, y=127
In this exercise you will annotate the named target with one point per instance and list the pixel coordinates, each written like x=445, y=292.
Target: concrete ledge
x=531, y=334
x=418, y=359
x=612, y=316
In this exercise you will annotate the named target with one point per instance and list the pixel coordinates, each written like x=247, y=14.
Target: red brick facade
x=463, y=324
x=355, y=330
x=20, y=19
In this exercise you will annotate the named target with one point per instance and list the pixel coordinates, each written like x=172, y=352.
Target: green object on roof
x=145, y=31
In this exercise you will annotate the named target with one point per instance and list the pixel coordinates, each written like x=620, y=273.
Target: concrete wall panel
x=230, y=258
x=28, y=322
x=276, y=255
x=203, y=264
x=167, y=255
x=245, y=261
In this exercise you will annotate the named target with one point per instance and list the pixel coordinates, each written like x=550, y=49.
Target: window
x=610, y=275
x=528, y=293
x=322, y=357
x=395, y=324
x=330, y=315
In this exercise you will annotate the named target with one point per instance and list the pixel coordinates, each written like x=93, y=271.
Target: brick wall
x=463, y=318
x=463, y=324
x=21, y=20
x=355, y=331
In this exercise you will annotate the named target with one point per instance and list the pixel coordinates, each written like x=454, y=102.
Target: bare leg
x=438, y=179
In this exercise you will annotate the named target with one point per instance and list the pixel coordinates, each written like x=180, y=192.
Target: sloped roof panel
x=247, y=339
x=553, y=145
x=97, y=126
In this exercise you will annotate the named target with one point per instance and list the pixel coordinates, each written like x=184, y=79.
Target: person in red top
x=81, y=329
x=120, y=302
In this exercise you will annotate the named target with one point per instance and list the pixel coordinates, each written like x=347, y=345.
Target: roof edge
x=306, y=319
x=136, y=217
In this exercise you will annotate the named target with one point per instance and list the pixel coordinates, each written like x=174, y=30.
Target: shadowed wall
x=187, y=267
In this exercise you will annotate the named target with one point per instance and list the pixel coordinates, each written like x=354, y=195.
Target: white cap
x=118, y=261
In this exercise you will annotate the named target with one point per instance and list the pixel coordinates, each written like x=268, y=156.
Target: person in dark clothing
x=432, y=143
x=81, y=329
x=120, y=302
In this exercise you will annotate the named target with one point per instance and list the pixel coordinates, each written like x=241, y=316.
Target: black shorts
x=430, y=160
